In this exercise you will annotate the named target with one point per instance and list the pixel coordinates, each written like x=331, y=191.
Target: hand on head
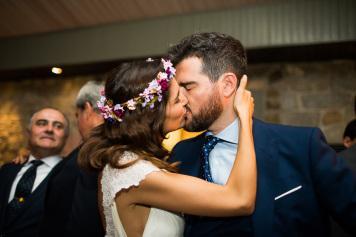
x=243, y=101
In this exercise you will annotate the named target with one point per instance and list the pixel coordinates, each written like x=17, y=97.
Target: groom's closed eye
x=187, y=85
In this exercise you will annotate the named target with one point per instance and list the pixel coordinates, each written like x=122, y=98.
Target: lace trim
x=114, y=180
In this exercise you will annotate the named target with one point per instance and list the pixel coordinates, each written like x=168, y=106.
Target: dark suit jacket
x=287, y=157
x=59, y=196
x=350, y=156
x=27, y=221
x=84, y=218
x=71, y=207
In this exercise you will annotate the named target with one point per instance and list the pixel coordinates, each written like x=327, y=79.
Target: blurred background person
x=71, y=194
x=23, y=187
x=349, y=141
x=349, y=155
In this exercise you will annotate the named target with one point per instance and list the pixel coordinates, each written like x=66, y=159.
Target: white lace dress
x=159, y=223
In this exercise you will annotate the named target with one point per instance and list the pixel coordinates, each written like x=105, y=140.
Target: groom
x=301, y=181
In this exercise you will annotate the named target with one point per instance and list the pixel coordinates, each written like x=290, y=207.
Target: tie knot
x=210, y=142
x=212, y=139
x=36, y=163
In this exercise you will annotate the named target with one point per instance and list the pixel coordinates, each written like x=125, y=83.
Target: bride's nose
x=183, y=97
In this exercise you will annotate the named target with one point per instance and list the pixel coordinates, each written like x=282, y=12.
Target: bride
x=141, y=193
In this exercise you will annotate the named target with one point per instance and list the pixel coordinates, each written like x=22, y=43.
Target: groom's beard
x=209, y=112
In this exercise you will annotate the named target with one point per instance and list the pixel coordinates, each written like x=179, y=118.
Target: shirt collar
x=230, y=133
x=50, y=161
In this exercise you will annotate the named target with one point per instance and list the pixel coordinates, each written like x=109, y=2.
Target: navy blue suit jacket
x=84, y=219
x=59, y=197
x=27, y=220
x=71, y=205
x=287, y=157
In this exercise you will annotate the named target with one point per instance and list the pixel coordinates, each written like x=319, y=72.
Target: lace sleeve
x=114, y=180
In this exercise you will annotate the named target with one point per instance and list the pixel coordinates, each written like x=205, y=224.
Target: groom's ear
x=228, y=84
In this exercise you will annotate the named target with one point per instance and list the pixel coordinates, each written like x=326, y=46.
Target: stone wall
x=318, y=94
x=307, y=94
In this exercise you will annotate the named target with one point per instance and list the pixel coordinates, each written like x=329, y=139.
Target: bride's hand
x=244, y=102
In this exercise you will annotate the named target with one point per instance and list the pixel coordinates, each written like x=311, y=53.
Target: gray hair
x=90, y=93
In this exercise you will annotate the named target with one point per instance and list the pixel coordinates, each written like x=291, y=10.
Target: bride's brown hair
x=141, y=130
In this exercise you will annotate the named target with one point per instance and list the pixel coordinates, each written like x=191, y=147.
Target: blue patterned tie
x=23, y=189
x=208, y=145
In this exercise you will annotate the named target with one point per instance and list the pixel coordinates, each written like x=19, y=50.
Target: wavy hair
x=141, y=130
x=219, y=53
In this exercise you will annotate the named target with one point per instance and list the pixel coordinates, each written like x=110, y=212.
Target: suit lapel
x=40, y=190
x=190, y=157
x=266, y=147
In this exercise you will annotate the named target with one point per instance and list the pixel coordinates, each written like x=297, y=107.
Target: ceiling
x=28, y=17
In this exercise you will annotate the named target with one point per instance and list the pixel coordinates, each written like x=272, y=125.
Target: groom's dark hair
x=219, y=53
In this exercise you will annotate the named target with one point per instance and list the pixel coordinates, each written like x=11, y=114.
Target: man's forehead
x=190, y=64
x=189, y=70
x=49, y=115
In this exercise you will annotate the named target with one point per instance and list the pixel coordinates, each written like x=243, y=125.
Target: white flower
x=102, y=99
x=99, y=104
x=145, y=93
x=118, y=107
x=153, y=84
x=173, y=72
x=166, y=64
x=131, y=104
x=162, y=75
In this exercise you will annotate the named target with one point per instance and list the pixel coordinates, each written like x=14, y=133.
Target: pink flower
x=119, y=113
x=164, y=85
x=119, y=110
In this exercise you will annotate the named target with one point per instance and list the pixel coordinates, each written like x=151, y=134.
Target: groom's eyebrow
x=185, y=84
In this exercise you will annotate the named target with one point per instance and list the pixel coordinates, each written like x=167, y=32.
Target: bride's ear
x=228, y=84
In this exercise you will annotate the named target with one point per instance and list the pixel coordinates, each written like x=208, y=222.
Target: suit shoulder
x=7, y=169
x=8, y=166
x=289, y=134
x=349, y=154
x=288, y=129
x=189, y=141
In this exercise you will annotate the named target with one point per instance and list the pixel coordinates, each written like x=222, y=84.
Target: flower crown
x=148, y=97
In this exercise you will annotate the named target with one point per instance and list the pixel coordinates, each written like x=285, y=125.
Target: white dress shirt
x=42, y=172
x=222, y=157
